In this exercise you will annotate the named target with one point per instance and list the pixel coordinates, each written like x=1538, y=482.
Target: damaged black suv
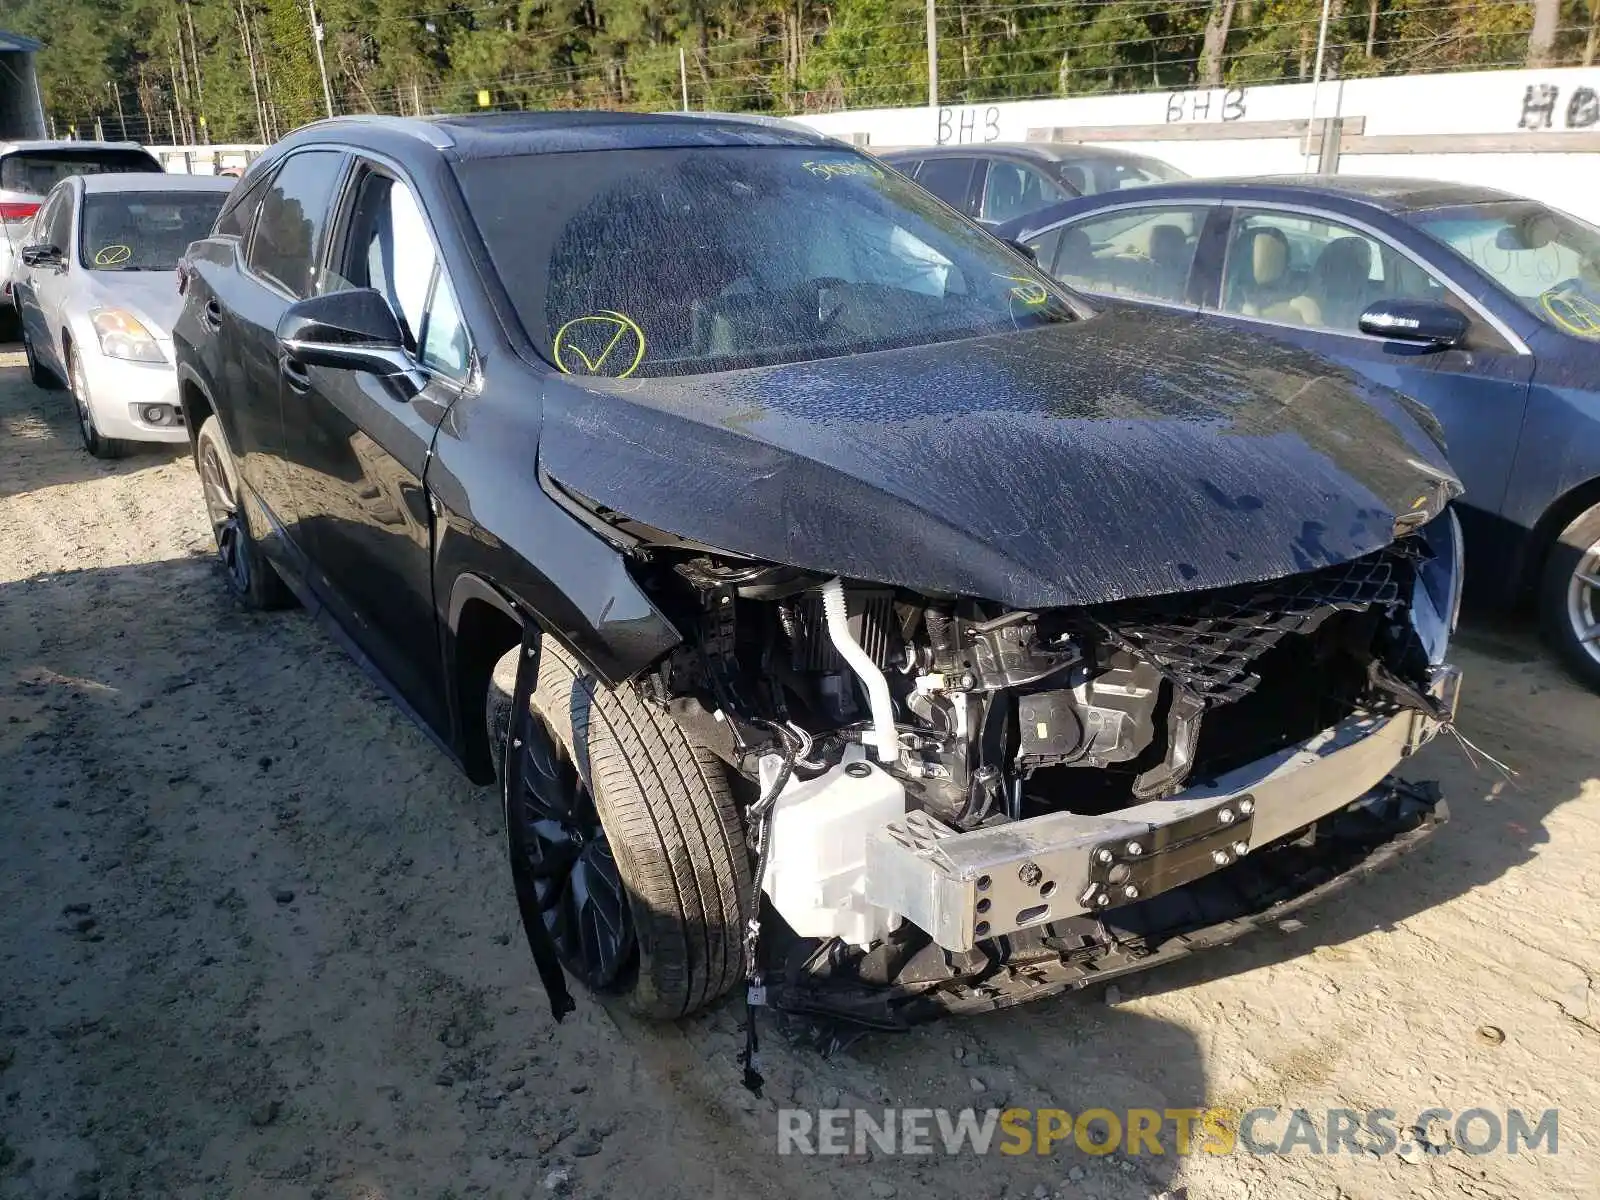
x=842, y=605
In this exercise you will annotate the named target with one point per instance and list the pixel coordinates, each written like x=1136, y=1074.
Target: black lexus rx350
x=841, y=604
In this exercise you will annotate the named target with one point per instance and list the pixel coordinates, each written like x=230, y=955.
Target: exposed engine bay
x=937, y=782
x=985, y=716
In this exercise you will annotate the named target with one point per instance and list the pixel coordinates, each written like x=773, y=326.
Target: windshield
x=35, y=172
x=144, y=231
x=668, y=262
x=1546, y=259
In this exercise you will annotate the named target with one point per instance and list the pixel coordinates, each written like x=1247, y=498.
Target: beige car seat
x=1341, y=281
x=1266, y=290
x=1169, y=254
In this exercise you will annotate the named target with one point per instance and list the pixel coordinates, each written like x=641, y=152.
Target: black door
x=280, y=267
x=359, y=445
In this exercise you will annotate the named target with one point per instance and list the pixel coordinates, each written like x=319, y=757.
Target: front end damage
x=955, y=805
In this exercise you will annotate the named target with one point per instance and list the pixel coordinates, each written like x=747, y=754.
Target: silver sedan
x=96, y=290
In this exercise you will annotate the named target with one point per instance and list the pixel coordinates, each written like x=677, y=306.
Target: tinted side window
x=239, y=212
x=1044, y=248
x=1141, y=252
x=1011, y=190
x=390, y=249
x=445, y=345
x=1312, y=271
x=948, y=179
x=59, y=232
x=39, y=230
x=294, y=217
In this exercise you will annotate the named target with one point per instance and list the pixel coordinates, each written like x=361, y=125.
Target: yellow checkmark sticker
x=1027, y=291
x=599, y=344
x=1572, y=311
x=112, y=256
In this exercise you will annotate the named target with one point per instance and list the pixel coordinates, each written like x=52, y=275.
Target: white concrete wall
x=205, y=160
x=1487, y=102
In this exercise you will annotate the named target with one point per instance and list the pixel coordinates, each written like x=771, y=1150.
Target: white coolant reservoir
x=816, y=875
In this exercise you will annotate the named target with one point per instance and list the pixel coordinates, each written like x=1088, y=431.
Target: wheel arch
x=1560, y=513
x=194, y=400
x=483, y=622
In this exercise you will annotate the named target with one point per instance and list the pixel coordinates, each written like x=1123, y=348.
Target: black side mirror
x=1424, y=322
x=349, y=331
x=42, y=254
x=1023, y=249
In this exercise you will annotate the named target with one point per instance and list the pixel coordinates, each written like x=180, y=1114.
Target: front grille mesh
x=1207, y=641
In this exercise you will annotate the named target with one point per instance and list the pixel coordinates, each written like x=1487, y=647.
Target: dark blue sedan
x=1483, y=305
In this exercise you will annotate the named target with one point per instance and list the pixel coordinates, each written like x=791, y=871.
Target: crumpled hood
x=1132, y=454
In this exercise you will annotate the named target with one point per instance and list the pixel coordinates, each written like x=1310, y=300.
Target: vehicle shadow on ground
x=38, y=425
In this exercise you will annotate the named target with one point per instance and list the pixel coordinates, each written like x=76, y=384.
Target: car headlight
x=1436, y=598
x=123, y=335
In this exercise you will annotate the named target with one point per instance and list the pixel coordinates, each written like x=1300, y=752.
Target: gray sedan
x=96, y=289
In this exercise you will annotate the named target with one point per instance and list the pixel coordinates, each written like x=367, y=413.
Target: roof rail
x=427, y=131
x=747, y=118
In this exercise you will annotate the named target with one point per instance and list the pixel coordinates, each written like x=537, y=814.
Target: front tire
x=625, y=841
x=249, y=575
x=1569, y=597
x=93, y=441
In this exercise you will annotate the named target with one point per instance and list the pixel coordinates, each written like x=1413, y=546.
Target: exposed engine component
x=884, y=737
x=1113, y=711
x=1006, y=652
x=817, y=876
x=870, y=617
x=953, y=716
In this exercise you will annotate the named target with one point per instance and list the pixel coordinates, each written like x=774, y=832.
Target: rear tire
x=93, y=441
x=670, y=830
x=1569, y=597
x=249, y=575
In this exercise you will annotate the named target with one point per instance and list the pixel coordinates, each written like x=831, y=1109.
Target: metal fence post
x=1332, y=133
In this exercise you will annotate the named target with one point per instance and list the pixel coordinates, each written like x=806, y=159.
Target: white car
x=28, y=170
x=95, y=285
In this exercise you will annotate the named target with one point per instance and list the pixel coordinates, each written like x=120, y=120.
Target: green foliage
x=763, y=55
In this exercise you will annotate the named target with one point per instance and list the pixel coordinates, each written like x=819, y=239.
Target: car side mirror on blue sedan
x=353, y=330
x=1423, y=322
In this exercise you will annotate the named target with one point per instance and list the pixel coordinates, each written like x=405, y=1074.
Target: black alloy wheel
x=249, y=575
x=564, y=866
x=626, y=847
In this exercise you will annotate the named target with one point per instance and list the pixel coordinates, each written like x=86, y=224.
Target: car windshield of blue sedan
x=144, y=231
x=1546, y=259
x=670, y=262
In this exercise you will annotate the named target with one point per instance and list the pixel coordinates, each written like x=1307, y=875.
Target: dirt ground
x=257, y=939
